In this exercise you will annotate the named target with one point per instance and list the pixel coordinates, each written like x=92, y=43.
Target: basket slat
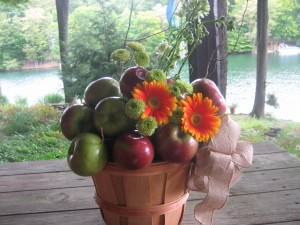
x=155, y=195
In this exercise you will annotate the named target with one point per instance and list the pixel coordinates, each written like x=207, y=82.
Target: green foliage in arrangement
x=31, y=133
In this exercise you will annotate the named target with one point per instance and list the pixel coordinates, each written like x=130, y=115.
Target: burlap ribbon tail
x=217, y=167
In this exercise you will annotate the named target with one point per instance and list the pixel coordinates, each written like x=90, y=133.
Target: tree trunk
x=209, y=59
x=62, y=8
x=261, y=64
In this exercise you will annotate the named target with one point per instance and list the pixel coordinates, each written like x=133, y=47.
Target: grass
x=30, y=133
x=41, y=143
x=33, y=133
x=260, y=130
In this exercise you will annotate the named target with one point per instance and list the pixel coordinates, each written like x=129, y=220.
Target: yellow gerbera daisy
x=160, y=103
x=199, y=117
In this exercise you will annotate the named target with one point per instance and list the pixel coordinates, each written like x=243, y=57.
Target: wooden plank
x=47, y=200
x=252, y=182
x=288, y=178
x=265, y=148
x=262, y=181
x=69, y=179
x=267, y=181
x=273, y=161
x=264, y=208
x=42, y=166
x=76, y=217
x=285, y=223
x=271, y=207
x=41, y=181
x=267, y=194
x=260, y=162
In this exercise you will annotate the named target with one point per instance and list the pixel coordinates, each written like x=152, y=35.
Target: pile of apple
x=101, y=132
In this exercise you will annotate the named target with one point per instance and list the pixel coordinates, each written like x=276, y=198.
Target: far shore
x=43, y=65
x=35, y=66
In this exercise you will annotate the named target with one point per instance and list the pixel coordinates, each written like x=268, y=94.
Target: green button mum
x=156, y=74
x=136, y=46
x=134, y=108
x=142, y=59
x=120, y=55
x=147, y=126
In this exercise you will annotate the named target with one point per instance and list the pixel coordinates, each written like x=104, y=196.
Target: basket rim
x=153, y=168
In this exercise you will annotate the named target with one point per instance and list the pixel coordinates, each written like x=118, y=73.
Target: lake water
x=283, y=80
x=32, y=85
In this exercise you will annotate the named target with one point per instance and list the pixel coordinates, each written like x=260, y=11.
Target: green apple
x=100, y=89
x=77, y=119
x=87, y=154
x=110, y=117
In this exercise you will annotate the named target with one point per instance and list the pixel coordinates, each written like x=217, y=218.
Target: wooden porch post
x=213, y=49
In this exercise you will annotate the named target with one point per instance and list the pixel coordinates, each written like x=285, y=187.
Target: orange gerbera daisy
x=160, y=103
x=199, y=117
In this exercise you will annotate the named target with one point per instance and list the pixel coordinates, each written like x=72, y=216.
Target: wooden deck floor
x=46, y=192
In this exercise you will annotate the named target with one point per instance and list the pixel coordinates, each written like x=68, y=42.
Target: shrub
x=52, y=98
x=3, y=100
x=21, y=121
x=21, y=101
x=44, y=113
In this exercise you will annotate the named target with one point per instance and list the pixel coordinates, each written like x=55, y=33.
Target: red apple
x=174, y=145
x=209, y=89
x=133, y=151
x=130, y=78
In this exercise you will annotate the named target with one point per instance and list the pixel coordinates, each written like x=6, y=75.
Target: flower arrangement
x=149, y=116
x=159, y=100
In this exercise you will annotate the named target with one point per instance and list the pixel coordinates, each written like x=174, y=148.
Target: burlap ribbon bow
x=218, y=167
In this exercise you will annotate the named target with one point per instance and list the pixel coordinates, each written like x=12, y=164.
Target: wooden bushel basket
x=155, y=195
